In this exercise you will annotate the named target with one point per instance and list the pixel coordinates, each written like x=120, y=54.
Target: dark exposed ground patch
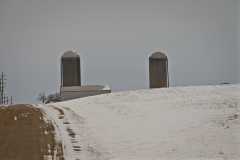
x=71, y=133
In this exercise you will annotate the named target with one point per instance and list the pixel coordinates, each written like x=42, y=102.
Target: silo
x=158, y=70
x=70, y=69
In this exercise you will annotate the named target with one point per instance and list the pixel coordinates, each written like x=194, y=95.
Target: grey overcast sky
x=114, y=39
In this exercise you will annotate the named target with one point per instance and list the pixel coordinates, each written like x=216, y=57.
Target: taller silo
x=158, y=70
x=70, y=69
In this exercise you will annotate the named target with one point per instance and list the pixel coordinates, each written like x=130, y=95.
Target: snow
x=46, y=132
x=106, y=87
x=176, y=123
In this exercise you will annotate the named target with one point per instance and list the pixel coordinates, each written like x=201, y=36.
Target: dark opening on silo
x=70, y=69
x=158, y=70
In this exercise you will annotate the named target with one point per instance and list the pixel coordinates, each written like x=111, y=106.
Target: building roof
x=70, y=54
x=84, y=88
x=158, y=55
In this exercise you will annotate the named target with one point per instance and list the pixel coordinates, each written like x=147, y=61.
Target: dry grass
x=24, y=135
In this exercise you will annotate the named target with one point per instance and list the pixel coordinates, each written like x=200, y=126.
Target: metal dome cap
x=70, y=54
x=158, y=55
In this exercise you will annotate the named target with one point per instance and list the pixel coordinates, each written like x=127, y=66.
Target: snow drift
x=171, y=124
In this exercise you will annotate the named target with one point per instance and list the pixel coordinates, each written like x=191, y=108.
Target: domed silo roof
x=158, y=55
x=70, y=54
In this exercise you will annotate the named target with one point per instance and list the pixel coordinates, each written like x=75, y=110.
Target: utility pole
x=2, y=88
x=11, y=100
x=1, y=100
x=4, y=99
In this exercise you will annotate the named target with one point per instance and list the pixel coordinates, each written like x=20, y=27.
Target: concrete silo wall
x=158, y=73
x=158, y=70
x=70, y=69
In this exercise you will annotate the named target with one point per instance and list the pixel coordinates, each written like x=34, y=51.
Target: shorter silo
x=70, y=69
x=158, y=70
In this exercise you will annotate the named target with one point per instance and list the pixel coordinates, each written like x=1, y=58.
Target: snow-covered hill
x=184, y=123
